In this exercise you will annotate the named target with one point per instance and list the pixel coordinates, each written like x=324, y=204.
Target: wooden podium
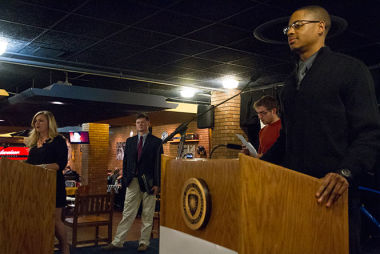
x=27, y=208
x=257, y=207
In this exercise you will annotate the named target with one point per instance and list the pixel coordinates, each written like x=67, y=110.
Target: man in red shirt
x=267, y=110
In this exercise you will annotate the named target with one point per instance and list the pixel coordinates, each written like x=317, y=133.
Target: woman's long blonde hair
x=34, y=135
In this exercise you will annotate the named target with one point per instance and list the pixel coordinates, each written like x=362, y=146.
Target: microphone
x=234, y=146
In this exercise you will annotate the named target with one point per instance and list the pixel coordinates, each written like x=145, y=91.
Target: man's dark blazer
x=149, y=163
x=332, y=121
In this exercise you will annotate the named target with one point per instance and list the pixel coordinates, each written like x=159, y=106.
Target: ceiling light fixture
x=1, y=120
x=230, y=82
x=3, y=46
x=57, y=103
x=3, y=92
x=188, y=92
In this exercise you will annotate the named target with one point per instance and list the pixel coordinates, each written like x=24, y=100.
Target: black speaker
x=248, y=115
x=206, y=120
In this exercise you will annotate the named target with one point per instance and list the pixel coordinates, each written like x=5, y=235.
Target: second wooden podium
x=254, y=207
x=27, y=208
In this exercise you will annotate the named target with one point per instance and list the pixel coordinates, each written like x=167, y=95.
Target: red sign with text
x=14, y=153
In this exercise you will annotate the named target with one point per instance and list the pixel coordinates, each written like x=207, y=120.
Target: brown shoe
x=142, y=247
x=111, y=247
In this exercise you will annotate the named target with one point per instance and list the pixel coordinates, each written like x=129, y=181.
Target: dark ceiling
x=158, y=46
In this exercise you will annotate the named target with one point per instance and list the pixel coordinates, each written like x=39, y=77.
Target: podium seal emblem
x=196, y=203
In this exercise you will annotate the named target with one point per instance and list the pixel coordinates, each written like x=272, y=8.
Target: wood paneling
x=27, y=208
x=280, y=213
x=257, y=207
x=221, y=177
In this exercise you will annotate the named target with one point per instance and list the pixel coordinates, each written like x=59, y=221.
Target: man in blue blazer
x=141, y=175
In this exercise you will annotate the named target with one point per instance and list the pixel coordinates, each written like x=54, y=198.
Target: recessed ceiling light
x=230, y=82
x=188, y=92
x=1, y=120
x=3, y=46
x=3, y=92
x=57, y=102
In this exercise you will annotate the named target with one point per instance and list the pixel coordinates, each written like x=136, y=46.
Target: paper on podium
x=247, y=144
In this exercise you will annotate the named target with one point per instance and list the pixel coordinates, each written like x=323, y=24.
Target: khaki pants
x=133, y=197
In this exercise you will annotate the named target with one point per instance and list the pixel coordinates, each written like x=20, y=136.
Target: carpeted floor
x=129, y=247
x=371, y=247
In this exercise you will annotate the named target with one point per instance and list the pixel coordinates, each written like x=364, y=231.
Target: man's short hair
x=266, y=101
x=142, y=115
x=320, y=13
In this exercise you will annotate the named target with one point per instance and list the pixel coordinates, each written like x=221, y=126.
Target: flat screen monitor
x=79, y=137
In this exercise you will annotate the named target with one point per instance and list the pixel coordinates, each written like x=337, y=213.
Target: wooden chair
x=91, y=211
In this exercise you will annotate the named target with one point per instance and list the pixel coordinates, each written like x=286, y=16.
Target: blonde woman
x=49, y=150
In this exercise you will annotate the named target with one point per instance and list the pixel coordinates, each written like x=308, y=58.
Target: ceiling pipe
x=65, y=67
x=263, y=87
x=178, y=99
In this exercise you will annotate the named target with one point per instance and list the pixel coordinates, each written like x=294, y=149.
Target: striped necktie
x=302, y=69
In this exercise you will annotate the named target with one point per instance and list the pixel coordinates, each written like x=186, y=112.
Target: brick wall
x=95, y=157
x=226, y=123
x=171, y=148
x=120, y=134
x=92, y=160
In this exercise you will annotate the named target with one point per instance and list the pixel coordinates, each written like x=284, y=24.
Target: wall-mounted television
x=79, y=137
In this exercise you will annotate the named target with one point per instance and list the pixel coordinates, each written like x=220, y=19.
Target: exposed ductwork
x=75, y=105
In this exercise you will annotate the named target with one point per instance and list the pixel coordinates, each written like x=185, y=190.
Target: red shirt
x=268, y=135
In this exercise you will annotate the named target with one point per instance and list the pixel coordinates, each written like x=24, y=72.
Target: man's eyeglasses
x=298, y=24
x=263, y=113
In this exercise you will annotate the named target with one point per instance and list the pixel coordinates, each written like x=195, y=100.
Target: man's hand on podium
x=155, y=190
x=245, y=151
x=332, y=187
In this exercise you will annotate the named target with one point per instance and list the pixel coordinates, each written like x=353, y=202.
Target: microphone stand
x=216, y=147
x=181, y=142
x=183, y=127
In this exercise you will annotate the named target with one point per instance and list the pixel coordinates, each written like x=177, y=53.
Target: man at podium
x=330, y=120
